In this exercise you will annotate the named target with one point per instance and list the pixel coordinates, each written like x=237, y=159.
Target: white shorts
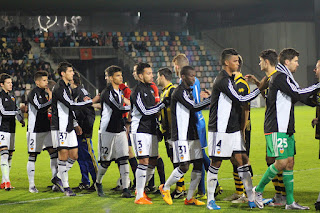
x=184, y=151
x=38, y=141
x=223, y=145
x=7, y=140
x=112, y=146
x=145, y=145
x=64, y=140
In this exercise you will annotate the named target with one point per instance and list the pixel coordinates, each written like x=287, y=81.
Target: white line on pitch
x=30, y=201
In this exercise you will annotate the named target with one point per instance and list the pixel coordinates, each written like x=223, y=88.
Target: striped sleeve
x=4, y=112
x=70, y=102
x=147, y=110
x=190, y=103
x=118, y=105
x=231, y=92
x=35, y=102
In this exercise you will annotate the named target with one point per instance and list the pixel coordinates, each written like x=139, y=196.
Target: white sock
x=318, y=200
x=212, y=179
x=31, y=170
x=141, y=173
x=63, y=172
x=175, y=176
x=124, y=174
x=5, y=167
x=150, y=173
x=70, y=163
x=195, y=180
x=245, y=176
x=101, y=171
x=54, y=166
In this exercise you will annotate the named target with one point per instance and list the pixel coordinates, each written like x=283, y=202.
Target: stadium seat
x=136, y=34
x=42, y=45
x=145, y=33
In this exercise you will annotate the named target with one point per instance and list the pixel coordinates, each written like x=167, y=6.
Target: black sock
x=160, y=168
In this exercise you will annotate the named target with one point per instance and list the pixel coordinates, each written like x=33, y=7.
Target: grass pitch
x=306, y=174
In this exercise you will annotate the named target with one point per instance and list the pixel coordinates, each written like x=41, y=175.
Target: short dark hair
x=166, y=72
x=185, y=70
x=51, y=84
x=3, y=77
x=76, y=78
x=40, y=74
x=141, y=66
x=287, y=54
x=63, y=66
x=270, y=55
x=226, y=53
x=112, y=70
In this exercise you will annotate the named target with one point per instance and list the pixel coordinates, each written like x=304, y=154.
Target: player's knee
x=122, y=161
x=32, y=157
x=54, y=155
x=184, y=167
x=105, y=164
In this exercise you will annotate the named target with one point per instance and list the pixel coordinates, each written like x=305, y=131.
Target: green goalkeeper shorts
x=280, y=145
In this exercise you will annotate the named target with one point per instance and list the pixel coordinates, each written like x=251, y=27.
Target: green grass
x=307, y=169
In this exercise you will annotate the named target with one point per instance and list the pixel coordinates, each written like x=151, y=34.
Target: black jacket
x=38, y=105
x=112, y=111
x=63, y=107
x=144, y=109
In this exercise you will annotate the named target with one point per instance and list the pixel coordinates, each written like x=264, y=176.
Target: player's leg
x=31, y=171
x=11, y=149
x=6, y=153
x=132, y=160
x=35, y=144
x=54, y=155
x=142, y=144
x=194, y=182
x=122, y=155
x=105, y=151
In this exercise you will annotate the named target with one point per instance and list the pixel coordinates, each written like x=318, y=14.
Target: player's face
x=316, y=70
x=147, y=75
x=159, y=80
x=190, y=78
x=293, y=64
x=7, y=85
x=233, y=63
x=117, y=78
x=68, y=74
x=262, y=64
x=42, y=82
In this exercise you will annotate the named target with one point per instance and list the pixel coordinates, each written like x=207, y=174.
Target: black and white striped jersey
x=225, y=107
x=63, y=116
x=8, y=112
x=38, y=105
x=112, y=110
x=280, y=99
x=184, y=119
x=144, y=110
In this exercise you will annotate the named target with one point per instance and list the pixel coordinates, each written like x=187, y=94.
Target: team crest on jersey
x=281, y=150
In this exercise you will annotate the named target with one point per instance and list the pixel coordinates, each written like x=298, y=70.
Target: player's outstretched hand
x=264, y=83
x=96, y=99
x=205, y=94
x=252, y=79
x=86, y=98
x=23, y=123
x=78, y=130
x=314, y=122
